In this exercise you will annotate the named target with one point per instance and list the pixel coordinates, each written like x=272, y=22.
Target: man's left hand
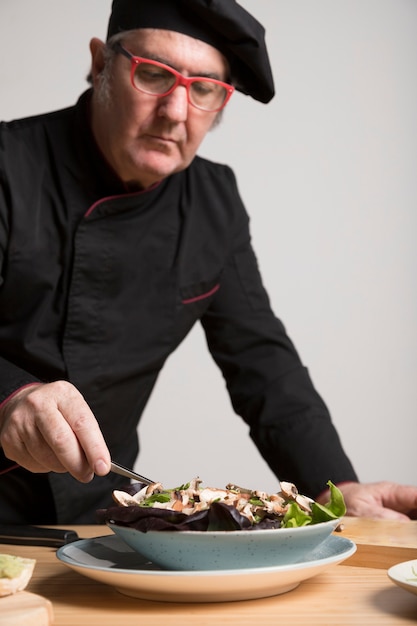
x=381, y=500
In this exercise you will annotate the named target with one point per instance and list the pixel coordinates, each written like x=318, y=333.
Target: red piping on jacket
x=202, y=296
x=9, y=469
x=16, y=391
x=122, y=195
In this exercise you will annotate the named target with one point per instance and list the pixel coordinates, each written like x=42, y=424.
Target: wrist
x=16, y=392
x=13, y=397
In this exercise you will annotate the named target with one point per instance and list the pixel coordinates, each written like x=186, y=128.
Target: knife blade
x=26, y=535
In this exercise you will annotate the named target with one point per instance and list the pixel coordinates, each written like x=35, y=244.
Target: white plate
x=109, y=560
x=405, y=575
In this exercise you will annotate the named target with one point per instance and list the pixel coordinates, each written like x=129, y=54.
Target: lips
x=161, y=143
x=163, y=139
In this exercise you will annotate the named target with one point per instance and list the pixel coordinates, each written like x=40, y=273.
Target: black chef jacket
x=100, y=285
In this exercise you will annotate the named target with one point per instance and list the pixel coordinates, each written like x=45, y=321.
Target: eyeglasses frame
x=180, y=79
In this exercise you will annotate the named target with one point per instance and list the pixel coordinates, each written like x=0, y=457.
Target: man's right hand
x=50, y=427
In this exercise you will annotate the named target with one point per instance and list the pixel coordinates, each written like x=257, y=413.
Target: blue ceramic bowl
x=240, y=549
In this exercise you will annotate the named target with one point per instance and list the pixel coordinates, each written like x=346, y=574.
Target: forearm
x=305, y=450
x=268, y=384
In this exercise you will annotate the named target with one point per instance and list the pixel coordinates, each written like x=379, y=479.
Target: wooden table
x=357, y=592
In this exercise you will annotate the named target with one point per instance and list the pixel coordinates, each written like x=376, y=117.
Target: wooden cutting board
x=25, y=609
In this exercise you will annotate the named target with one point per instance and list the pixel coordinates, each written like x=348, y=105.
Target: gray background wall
x=328, y=174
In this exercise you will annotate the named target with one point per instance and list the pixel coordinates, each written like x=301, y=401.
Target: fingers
x=402, y=498
x=60, y=441
x=51, y=428
x=89, y=446
x=384, y=513
x=381, y=500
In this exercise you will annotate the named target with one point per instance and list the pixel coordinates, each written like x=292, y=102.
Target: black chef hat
x=221, y=23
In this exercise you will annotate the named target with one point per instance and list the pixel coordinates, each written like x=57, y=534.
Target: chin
x=155, y=172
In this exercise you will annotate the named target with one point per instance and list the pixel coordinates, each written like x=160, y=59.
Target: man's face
x=143, y=137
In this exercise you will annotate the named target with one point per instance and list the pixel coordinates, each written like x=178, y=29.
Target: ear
x=97, y=58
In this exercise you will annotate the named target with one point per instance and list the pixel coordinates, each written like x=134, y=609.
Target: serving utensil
x=116, y=468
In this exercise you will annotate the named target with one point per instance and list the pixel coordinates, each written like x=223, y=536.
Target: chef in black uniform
x=115, y=239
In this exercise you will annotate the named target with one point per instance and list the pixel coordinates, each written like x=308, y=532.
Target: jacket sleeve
x=12, y=377
x=268, y=384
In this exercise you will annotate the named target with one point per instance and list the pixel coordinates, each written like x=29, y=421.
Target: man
x=115, y=238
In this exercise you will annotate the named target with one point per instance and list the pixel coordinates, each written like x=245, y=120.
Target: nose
x=175, y=105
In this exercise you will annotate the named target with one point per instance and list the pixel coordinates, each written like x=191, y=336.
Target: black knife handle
x=35, y=535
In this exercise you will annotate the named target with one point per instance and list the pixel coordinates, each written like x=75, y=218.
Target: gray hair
x=104, y=90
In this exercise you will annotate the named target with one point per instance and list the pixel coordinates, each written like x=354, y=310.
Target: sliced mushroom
x=124, y=499
x=288, y=490
x=304, y=503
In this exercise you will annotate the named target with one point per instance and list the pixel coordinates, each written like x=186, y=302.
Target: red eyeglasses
x=158, y=79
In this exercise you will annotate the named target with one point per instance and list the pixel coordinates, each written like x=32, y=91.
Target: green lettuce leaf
x=334, y=509
x=295, y=516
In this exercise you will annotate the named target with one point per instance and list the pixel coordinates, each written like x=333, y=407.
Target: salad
x=194, y=507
